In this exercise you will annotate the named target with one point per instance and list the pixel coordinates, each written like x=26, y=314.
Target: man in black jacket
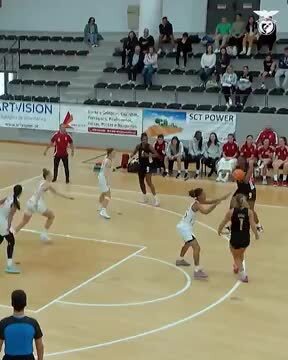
x=282, y=70
x=146, y=41
x=135, y=63
x=166, y=34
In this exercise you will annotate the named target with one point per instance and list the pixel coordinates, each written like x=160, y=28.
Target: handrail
x=7, y=52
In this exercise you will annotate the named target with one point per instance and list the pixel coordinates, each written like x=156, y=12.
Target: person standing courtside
x=18, y=332
x=61, y=140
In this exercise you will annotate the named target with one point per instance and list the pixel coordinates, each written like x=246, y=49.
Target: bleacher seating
x=64, y=66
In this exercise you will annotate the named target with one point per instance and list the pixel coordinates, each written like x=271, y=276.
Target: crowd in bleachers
x=230, y=40
x=268, y=153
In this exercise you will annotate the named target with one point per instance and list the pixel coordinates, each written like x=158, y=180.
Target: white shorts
x=3, y=227
x=104, y=188
x=33, y=207
x=185, y=231
x=226, y=165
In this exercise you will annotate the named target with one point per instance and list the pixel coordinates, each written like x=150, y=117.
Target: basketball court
x=110, y=289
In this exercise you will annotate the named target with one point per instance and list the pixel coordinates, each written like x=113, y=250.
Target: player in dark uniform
x=146, y=153
x=241, y=218
x=247, y=188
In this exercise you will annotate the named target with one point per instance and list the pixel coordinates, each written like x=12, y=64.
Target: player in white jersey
x=36, y=204
x=104, y=179
x=186, y=224
x=8, y=208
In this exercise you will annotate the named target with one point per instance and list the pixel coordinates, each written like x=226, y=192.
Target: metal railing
x=10, y=62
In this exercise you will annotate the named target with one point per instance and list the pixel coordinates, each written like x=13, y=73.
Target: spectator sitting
x=267, y=40
x=228, y=82
x=222, y=61
x=208, y=62
x=282, y=70
x=265, y=156
x=212, y=153
x=237, y=34
x=195, y=152
x=129, y=45
x=175, y=152
x=223, y=30
x=146, y=41
x=267, y=133
x=166, y=34
x=269, y=69
x=91, y=32
x=250, y=36
x=183, y=48
x=160, y=146
x=150, y=66
x=228, y=162
x=248, y=150
x=135, y=64
x=281, y=160
x=244, y=87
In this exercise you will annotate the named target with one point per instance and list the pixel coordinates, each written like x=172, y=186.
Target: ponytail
x=17, y=191
x=195, y=193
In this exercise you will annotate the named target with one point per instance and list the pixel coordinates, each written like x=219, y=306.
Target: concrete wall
x=111, y=15
x=246, y=124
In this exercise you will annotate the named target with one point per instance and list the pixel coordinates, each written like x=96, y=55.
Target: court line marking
x=170, y=195
x=161, y=328
x=68, y=236
x=113, y=266
x=163, y=298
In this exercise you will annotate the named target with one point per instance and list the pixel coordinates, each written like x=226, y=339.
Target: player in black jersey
x=242, y=218
x=146, y=153
x=247, y=187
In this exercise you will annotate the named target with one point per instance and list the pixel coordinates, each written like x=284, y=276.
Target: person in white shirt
x=150, y=66
x=104, y=178
x=208, y=63
x=228, y=82
x=175, y=152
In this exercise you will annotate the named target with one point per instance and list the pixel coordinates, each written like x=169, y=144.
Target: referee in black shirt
x=19, y=331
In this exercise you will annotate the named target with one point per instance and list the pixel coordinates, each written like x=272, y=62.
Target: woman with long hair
x=8, y=207
x=212, y=153
x=146, y=153
x=195, y=153
x=175, y=152
x=104, y=179
x=208, y=63
x=241, y=218
x=186, y=231
x=36, y=204
x=250, y=36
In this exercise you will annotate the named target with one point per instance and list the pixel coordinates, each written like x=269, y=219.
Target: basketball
x=238, y=175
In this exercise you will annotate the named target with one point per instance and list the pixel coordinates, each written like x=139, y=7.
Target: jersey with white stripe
x=190, y=215
x=6, y=207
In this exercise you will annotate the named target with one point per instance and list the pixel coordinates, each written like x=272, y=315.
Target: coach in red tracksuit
x=61, y=141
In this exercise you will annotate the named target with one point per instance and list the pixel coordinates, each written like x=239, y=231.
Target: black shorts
x=20, y=357
x=144, y=170
x=251, y=196
x=239, y=241
x=158, y=163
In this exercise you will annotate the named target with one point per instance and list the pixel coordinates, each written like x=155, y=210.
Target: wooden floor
x=110, y=290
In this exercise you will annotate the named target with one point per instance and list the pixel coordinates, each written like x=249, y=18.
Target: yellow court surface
x=111, y=290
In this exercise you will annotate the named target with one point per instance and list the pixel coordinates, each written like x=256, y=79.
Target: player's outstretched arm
x=226, y=219
x=47, y=148
x=205, y=210
x=214, y=201
x=252, y=224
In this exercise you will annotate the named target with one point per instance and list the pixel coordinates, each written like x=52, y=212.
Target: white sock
x=197, y=172
x=264, y=177
x=275, y=177
x=167, y=170
x=9, y=262
x=179, y=171
x=197, y=268
x=186, y=171
x=284, y=177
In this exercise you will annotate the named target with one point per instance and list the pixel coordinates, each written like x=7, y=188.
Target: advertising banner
x=102, y=120
x=184, y=124
x=29, y=115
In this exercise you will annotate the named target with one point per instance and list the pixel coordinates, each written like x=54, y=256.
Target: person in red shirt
x=281, y=160
x=228, y=162
x=160, y=147
x=248, y=149
x=265, y=155
x=267, y=133
x=61, y=141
